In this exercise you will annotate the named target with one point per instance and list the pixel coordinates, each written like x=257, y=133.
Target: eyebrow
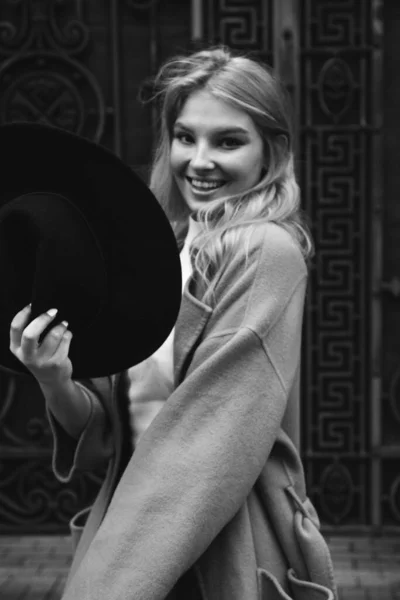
x=218, y=130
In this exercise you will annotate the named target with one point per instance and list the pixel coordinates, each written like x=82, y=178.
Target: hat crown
x=43, y=237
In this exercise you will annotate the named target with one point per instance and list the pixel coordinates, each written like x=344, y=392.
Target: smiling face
x=216, y=150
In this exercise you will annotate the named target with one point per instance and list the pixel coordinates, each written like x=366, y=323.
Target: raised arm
x=81, y=430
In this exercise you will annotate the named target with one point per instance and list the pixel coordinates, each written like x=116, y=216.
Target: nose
x=201, y=158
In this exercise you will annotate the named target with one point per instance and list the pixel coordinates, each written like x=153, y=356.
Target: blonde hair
x=230, y=221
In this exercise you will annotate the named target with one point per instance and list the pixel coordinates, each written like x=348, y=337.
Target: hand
x=48, y=362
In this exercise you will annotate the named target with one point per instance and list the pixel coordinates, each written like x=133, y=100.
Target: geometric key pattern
x=45, y=77
x=338, y=42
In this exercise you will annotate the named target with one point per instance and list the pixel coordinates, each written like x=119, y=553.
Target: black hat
x=80, y=232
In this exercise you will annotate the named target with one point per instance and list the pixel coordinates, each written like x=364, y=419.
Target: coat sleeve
x=95, y=445
x=197, y=462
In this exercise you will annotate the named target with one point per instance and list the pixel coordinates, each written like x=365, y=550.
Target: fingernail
x=65, y=323
x=52, y=312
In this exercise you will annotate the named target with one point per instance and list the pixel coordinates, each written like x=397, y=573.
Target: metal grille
x=246, y=26
x=75, y=64
x=337, y=150
x=43, y=78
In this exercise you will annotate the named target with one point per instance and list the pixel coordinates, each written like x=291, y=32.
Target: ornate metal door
x=340, y=133
x=76, y=64
x=43, y=78
x=329, y=53
x=385, y=431
x=81, y=69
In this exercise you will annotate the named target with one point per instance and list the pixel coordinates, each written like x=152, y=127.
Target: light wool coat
x=212, y=503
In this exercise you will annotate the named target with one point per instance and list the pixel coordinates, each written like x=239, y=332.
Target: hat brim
x=134, y=234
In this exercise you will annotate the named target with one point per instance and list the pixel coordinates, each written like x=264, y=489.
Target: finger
x=31, y=334
x=61, y=354
x=17, y=326
x=51, y=341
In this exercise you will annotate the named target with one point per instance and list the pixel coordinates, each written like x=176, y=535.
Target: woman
x=212, y=502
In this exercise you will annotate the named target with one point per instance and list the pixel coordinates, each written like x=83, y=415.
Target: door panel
x=79, y=65
x=341, y=132
x=55, y=68
x=387, y=449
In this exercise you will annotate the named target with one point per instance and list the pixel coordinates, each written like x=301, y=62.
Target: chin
x=193, y=206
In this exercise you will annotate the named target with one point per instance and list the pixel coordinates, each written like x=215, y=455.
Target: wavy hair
x=229, y=221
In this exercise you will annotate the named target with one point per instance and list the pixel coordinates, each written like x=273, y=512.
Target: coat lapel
x=192, y=319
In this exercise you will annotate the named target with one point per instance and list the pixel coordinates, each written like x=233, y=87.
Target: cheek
x=256, y=164
x=249, y=169
x=251, y=159
x=177, y=158
x=172, y=158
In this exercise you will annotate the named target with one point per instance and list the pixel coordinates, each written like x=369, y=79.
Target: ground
x=35, y=568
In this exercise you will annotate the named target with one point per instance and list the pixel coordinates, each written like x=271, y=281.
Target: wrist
x=57, y=385
x=68, y=404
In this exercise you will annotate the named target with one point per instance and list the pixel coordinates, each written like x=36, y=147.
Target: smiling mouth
x=204, y=185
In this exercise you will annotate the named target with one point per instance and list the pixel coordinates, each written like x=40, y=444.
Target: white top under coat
x=152, y=381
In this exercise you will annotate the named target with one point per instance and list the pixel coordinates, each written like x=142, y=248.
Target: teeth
x=206, y=185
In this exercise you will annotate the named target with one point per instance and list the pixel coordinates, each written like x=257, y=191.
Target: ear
x=283, y=141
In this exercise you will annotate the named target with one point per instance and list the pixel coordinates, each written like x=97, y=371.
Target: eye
x=183, y=137
x=230, y=143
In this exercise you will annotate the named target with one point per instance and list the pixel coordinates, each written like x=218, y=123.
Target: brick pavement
x=35, y=568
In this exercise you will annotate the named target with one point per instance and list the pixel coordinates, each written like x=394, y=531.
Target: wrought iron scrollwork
x=71, y=37
x=336, y=86
x=32, y=431
x=336, y=135
x=15, y=36
x=30, y=496
x=336, y=492
x=44, y=46
x=240, y=25
x=42, y=80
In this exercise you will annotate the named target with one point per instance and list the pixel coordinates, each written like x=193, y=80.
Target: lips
x=205, y=185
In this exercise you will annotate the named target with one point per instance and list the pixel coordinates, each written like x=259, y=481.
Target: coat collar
x=192, y=319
